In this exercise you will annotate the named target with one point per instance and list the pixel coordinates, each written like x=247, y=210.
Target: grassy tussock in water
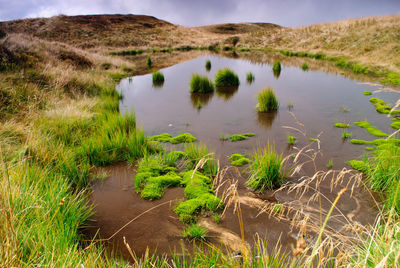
x=266, y=169
x=208, y=65
x=226, y=78
x=267, y=101
x=195, y=232
x=158, y=78
x=250, y=77
x=276, y=67
x=201, y=84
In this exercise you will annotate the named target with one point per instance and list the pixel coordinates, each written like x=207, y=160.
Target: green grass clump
x=181, y=138
x=291, y=140
x=158, y=79
x=201, y=84
x=226, y=78
x=223, y=137
x=249, y=134
x=148, y=62
x=341, y=125
x=358, y=165
x=208, y=65
x=395, y=125
x=367, y=93
x=267, y=101
x=330, y=164
x=266, y=169
x=250, y=77
x=238, y=137
x=276, y=67
x=346, y=135
x=195, y=233
x=238, y=160
x=371, y=129
x=195, y=153
x=304, y=66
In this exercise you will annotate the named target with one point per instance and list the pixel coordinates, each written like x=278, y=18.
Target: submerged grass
x=267, y=101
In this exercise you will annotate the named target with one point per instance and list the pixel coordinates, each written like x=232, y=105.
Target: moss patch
x=376, y=142
x=371, y=129
x=238, y=160
x=381, y=106
x=367, y=93
x=342, y=125
x=395, y=125
x=241, y=137
x=358, y=165
x=181, y=138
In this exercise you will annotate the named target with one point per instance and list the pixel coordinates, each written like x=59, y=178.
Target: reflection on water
x=277, y=73
x=313, y=97
x=226, y=92
x=202, y=99
x=266, y=119
x=158, y=84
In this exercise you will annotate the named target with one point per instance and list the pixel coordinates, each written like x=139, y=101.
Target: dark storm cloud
x=184, y=12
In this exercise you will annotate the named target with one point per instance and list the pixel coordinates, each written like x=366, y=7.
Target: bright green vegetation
x=217, y=218
x=341, y=125
x=369, y=148
x=223, y=137
x=181, y=138
x=226, y=78
x=371, y=129
x=377, y=141
x=367, y=93
x=267, y=101
x=196, y=153
x=238, y=137
x=195, y=232
x=381, y=106
x=330, y=164
x=313, y=139
x=396, y=119
x=395, y=125
x=276, y=67
x=208, y=65
x=238, y=160
x=291, y=140
x=241, y=137
x=304, y=66
x=357, y=165
x=200, y=196
x=201, y=84
x=148, y=62
x=266, y=169
x=391, y=78
x=155, y=174
x=158, y=78
x=346, y=135
x=250, y=77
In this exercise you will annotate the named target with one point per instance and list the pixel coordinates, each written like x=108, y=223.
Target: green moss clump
x=342, y=125
x=395, y=125
x=371, y=129
x=250, y=134
x=369, y=148
x=183, y=138
x=226, y=78
x=267, y=101
x=164, y=137
x=238, y=137
x=358, y=165
x=313, y=139
x=291, y=140
x=238, y=160
x=380, y=106
x=367, y=93
x=200, y=196
x=201, y=84
x=376, y=142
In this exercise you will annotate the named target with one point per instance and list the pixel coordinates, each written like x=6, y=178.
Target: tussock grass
x=158, y=79
x=201, y=84
x=267, y=101
x=226, y=78
x=195, y=232
x=250, y=77
x=304, y=66
x=208, y=65
x=276, y=67
x=266, y=169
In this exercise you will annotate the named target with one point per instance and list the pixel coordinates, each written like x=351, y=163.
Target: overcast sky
x=201, y=12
